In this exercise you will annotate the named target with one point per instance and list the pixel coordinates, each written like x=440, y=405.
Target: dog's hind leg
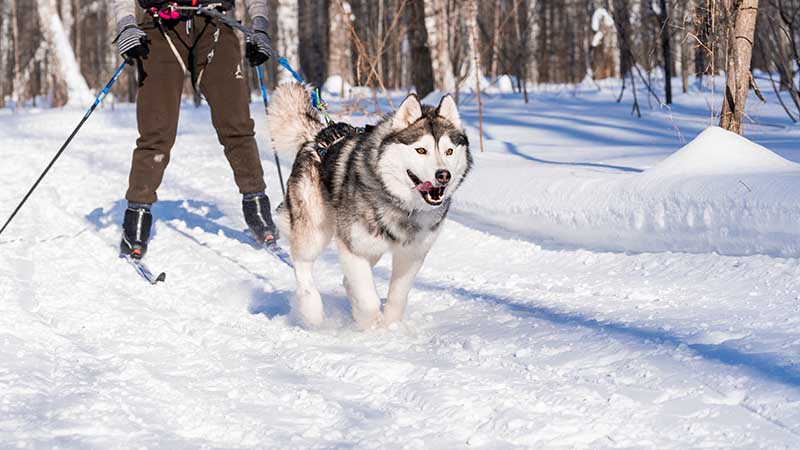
x=311, y=231
x=406, y=263
x=360, y=285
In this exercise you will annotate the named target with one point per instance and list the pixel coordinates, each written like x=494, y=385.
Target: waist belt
x=223, y=5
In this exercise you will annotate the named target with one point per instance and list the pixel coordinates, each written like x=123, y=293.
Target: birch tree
x=533, y=40
x=340, y=50
x=740, y=51
x=5, y=13
x=436, y=25
x=474, y=45
x=63, y=66
x=458, y=42
x=288, y=38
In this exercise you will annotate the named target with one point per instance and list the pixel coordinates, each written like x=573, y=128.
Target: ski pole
x=97, y=101
x=265, y=96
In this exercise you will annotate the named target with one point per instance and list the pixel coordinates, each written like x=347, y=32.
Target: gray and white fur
x=383, y=189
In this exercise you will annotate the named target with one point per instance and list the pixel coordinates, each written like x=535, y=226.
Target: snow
x=717, y=151
x=523, y=330
x=505, y=84
x=656, y=7
x=597, y=38
x=601, y=16
x=719, y=193
x=335, y=86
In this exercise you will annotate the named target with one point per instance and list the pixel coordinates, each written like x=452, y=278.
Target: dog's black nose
x=443, y=176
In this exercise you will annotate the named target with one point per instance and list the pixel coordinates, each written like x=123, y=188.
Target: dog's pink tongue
x=425, y=187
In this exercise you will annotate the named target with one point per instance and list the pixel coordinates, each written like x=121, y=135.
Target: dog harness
x=335, y=133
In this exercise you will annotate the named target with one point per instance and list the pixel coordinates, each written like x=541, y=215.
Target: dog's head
x=425, y=157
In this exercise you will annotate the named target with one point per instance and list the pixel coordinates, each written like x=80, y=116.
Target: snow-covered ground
x=532, y=325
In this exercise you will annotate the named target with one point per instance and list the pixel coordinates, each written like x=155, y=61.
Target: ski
x=143, y=271
x=278, y=252
x=273, y=248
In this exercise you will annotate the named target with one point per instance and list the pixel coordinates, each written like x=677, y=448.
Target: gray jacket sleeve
x=123, y=11
x=257, y=8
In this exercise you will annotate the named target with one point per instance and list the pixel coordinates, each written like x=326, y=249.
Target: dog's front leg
x=406, y=263
x=364, y=300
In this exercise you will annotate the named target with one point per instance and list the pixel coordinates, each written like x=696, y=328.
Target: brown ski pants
x=159, y=98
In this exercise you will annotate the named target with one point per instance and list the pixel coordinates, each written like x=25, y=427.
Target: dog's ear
x=449, y=110
x=409, y=112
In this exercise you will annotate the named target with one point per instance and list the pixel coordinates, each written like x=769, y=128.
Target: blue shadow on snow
x=202, y=215
x=513, y=150
x=762, y=364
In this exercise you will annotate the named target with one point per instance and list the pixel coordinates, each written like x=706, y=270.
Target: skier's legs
x=223, y=84
x=157, y=109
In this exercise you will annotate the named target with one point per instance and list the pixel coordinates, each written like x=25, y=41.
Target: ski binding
x=143, y=271
x=271, y=245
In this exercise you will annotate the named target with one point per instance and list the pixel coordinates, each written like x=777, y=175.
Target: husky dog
x=384, y=188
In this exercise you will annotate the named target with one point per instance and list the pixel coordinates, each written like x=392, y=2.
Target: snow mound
x=719, y=193
x=718, y=151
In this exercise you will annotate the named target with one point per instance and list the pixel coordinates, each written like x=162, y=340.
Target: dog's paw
x=391, y=315
x=370, y=321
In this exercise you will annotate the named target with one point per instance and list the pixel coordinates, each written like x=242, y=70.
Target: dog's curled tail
x=292, y=119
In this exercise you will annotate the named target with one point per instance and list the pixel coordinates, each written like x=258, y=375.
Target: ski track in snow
x=507, y=343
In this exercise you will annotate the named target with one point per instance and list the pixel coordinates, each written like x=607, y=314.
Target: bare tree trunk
x=288, y=40
x=474, y=46
x=686, y=47
x=622, y=22
x=52, y=81
x=436, y=25
x=313, y=40
x=702, y=24
x=458, y=41
x=5, y=15
x=421, y=65
x=533, y=41
x=663, y=19
x=543, y=66
x=740, y=50
x=340, y=52
x=496, y=38
x=523, y=29
x=67, y=18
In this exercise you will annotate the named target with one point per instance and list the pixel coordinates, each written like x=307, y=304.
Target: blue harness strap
x=316, y=99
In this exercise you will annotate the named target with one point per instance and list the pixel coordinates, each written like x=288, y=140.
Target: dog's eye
x=449, y=152
x=421, y=151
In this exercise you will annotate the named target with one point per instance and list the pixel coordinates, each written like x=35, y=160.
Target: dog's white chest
x=364, y=242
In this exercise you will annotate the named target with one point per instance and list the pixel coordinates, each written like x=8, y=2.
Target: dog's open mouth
x=432, y=195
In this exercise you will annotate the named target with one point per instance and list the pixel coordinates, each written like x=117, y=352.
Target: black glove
x=131, y=40
x=258, y=47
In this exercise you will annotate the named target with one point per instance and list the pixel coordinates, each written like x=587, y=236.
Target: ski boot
x=136, y=231
x=258, y=217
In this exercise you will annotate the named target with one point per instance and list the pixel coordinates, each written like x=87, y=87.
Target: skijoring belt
x=159, y=4
x=182, y=10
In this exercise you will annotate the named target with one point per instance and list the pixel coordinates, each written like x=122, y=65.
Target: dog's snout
x=443, y=176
